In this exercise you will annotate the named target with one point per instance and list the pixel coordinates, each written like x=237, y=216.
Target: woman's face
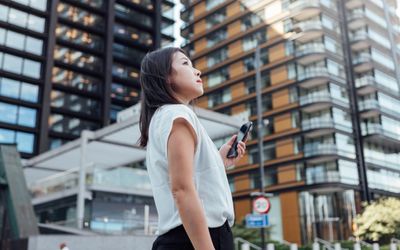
x=184, y=79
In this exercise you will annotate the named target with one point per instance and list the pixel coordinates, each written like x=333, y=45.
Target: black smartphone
x=241, y=136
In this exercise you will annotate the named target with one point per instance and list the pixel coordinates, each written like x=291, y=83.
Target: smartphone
x=241, y=136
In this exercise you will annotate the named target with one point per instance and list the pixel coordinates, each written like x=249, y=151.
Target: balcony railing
x=331, y=176
x=368, y=104
x=383, y=161
x=313, y=72
x=362, y=58
x=375, y=128
x=319, y=149
x=359, y=36
x=301, y=4
x=365, y=81
x=308, y=25
x=315, y=97
x=319, y=123
x=310, y=48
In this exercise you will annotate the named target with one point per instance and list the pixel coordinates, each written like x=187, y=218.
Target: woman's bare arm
x=181, y=149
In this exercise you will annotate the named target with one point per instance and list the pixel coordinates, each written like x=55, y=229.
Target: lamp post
x=260, y=131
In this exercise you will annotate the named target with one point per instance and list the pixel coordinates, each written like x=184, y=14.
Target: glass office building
x=71, y=65
x=330, y=92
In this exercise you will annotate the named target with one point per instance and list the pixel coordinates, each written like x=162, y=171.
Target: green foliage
x=380, y=221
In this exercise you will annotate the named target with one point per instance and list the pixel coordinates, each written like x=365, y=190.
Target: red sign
x=261, y=205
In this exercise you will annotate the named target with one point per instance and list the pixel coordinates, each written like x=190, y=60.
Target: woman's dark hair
x=155, y=69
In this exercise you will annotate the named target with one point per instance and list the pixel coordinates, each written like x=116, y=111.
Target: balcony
x=366, y=85
x=308, y=30
x=368, y=108
x=382, y=161
x=330, y=176
x=322, y=126
x=360, y=41
x=375, y=133
x=310, y=52
x=356, y=19
x=362, y=63
x=319, y=101
x=316, y=149
x=304, y=9
x=383, y=181
x=313, y=76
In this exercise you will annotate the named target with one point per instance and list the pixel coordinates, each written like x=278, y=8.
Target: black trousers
x=177, y=239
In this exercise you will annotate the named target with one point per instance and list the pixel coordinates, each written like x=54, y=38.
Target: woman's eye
x=185, y=63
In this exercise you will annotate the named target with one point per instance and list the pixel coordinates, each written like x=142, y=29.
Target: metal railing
x=239, y=240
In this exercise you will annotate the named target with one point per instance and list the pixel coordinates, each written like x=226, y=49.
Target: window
x=218, y=77
x=78, y=15
x=131, y=14
x=124, y=93
x=251, y=20
x=19, y=65
x=212, y=3
x=220, y=97
x=70, y=125
x=75, y=80
x=382, y=58
x=79, y=37
x=216, y=18
x=133, y=34
x=36, y=4
x=78, y=58
x=19, y=90
x=25, y=141
x=257, y=38
x=123, y=71
x=18, y=115
x=216, y=37
x=385, y=80
x=128, y=53
x=74, y=103
x=217, y=56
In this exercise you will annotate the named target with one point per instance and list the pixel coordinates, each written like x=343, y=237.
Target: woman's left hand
x=241, y=148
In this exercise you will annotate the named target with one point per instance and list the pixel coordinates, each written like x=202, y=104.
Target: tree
x=380, y=221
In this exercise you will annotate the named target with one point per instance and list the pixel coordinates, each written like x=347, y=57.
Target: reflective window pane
x=17, y=17
x=124, y=93
x=36, y=23
x=3, y=12
x=79, y=37
x=12, y=64
x=15, y=40
x=75, y=80
x=34, y=46
x=26, y=117
x=74, y=103
x=9, y=113
x=7, y=136
x=2, y=34
x=25, y=142
x=79, y=15
x=9, y=88
x=74, y=126
x=39, y=4
x=78, y=58
x=31, y=69
x=29, y=92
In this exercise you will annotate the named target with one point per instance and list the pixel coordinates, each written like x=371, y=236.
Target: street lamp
x=260, y=132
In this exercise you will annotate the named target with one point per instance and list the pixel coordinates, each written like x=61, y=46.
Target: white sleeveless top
x=209, y=172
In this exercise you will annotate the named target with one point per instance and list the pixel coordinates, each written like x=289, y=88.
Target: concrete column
x=375, y=246
x=270, y=246
x=293, y=246
x=315, y=246
x=357, y=246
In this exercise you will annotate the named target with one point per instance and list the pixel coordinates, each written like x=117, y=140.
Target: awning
x=116, y=145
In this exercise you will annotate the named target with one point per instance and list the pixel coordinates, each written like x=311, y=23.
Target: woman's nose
x=198, y=73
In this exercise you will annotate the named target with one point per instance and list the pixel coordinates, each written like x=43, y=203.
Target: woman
x=186, y=170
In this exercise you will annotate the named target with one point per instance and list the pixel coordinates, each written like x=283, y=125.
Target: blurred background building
x=330, y=78
x=66, y=66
